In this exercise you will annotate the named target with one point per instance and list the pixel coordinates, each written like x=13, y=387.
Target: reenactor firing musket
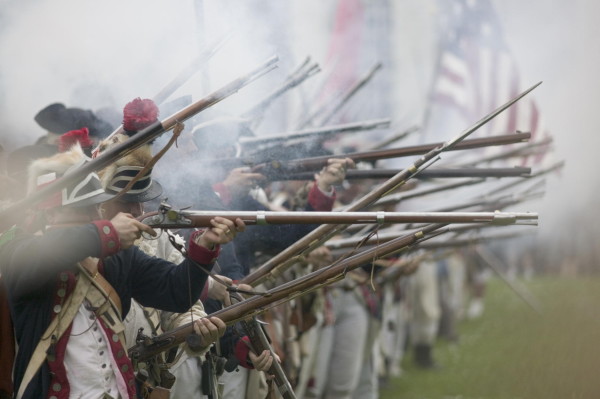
x=320, y=133
x=167, y=218
x=305, y=71
x=275, y=167
x=322, y=233
x=432, y=173
x=310, y=120
x=142, y=137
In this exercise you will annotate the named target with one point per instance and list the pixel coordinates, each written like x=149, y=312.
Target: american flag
x=477, y=72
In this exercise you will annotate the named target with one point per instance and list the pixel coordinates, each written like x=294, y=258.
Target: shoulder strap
x=57, y=328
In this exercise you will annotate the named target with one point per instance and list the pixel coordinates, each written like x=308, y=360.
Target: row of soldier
x=77, y=249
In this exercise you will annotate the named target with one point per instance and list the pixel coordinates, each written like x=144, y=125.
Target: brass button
x=106, y=230
x=120, y=353
x=61, y=292
x=56, y=387
x=53, y=397
x=64, y=277
x=57, y=308
x=124, y=368
x=115, y=338
x=111, y=244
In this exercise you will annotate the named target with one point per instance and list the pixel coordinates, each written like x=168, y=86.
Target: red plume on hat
x=69, y=139
x=139, y=114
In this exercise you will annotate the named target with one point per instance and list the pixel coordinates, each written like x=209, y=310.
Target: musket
x=527, y=149
x=539, y=173
x=322, y=233
x=432, y=173
x=142, y=137
x=189, y=70
x=305, y=71
x=273, y=167
x=259, y=343
x=152, y=346
x=396, y=137
x=343, y=100
x=321, y=133
x=341, y=245
x=167, y=218
x=173, y=85
x=403, y=196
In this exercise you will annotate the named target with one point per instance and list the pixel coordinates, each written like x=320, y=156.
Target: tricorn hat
x=56, y=118
x=83, y=192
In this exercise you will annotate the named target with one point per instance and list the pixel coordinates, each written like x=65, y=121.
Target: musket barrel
x=432, y=173
x=190, y=219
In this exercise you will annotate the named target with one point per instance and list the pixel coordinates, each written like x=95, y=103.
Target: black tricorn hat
x=57, y=118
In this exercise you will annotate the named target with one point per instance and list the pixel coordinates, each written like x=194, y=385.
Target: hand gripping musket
x=136, y=141
x=432, y=173
x=170, y=219
x=322, y=233
x=259, y=342
x=152, y=346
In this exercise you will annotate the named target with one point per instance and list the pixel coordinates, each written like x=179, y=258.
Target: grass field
x=513, y=352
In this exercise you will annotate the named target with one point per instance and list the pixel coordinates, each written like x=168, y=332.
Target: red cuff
x=109, y=238
x=199, y=254
x=223, y=192
x=320, y=201
x=242, y=348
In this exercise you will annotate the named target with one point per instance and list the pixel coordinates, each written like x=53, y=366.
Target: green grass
x=512, y=352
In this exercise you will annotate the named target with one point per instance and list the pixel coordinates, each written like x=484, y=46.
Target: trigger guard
x=147, y=236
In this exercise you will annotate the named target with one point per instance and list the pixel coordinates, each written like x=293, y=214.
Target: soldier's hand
x=219, y=291
x=129, y=229
x=222, y=231
x=334, y=173
x=240, y=181
x=263, y=361
x=210, y=329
